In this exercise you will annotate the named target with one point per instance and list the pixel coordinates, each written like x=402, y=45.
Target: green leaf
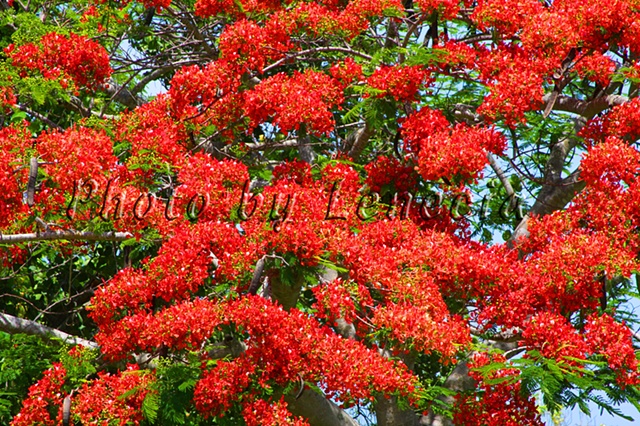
x=18, y=116
x=150, y=406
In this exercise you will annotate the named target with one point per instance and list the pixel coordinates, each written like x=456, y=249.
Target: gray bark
x=318, y=410
x=122, y=95
x=15, y=325
x=388, y=412
x=305, y=151
x=357, y=141
x=66, y=235
x=556, y=192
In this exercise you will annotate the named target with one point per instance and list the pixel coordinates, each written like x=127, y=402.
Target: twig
x=503, y=179
x=315, y=50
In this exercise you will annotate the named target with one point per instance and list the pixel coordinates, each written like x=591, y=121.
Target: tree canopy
x=323, y=212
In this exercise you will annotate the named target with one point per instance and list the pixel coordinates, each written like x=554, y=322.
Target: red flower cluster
x=296, y=171
x=346, y=71
x=73, y=57
x=147, y=3
x=160, y=4
x=72, y=152
x=206, y=8
x=611, y=163
x=390, y=173
x=400, y=82
x=283, y=346
x=500, y=404
x=596, y=67
x=67, y=156
x=261, y=413
x=193, y=87
x=622, y=121
x=515, y=83
x=392, y=258
x=460, y=152
x=14, y=142
x=417, y=327
x=334, y=300
x=157, y=141
x=506, y=16
x=167, y=276
x=7, y=98
x=250, y=46
x=212, y=185
x=306, y=97
x=44, y=394
x=113, y=396
x=554, y=337
x=560, y=273
x=447, y=8
x=613, y=340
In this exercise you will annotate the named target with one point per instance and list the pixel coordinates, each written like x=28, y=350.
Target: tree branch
x=64, y=235
x=316, y=50
x=257, y=274
x=15, y=325
x=388, y=411
x=40, y=117
x=305, y=152
x=122, y=95
x=556, y=192
x=551, y=199
x=192, y=26
x=587, y=109
x=318, y=410
x=357, y=141
x=503, y=178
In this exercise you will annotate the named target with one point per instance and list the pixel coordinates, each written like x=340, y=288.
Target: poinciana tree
x=303, y=229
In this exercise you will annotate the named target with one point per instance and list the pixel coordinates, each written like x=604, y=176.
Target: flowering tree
x=304, y=228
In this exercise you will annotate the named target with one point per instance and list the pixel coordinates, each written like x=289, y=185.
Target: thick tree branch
x=551, y=199
x=233, y=348
x=556, y=192
x=318, y=410
x=459, y=380
x=357, y=141
x=467, y=114
x=388, y=411
x=305, y=152
x=257, y=275
x=64, y=235
x=587, y=109
x=39, y=116
x=33, y=177
x=15, y=325
x=122, y=95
